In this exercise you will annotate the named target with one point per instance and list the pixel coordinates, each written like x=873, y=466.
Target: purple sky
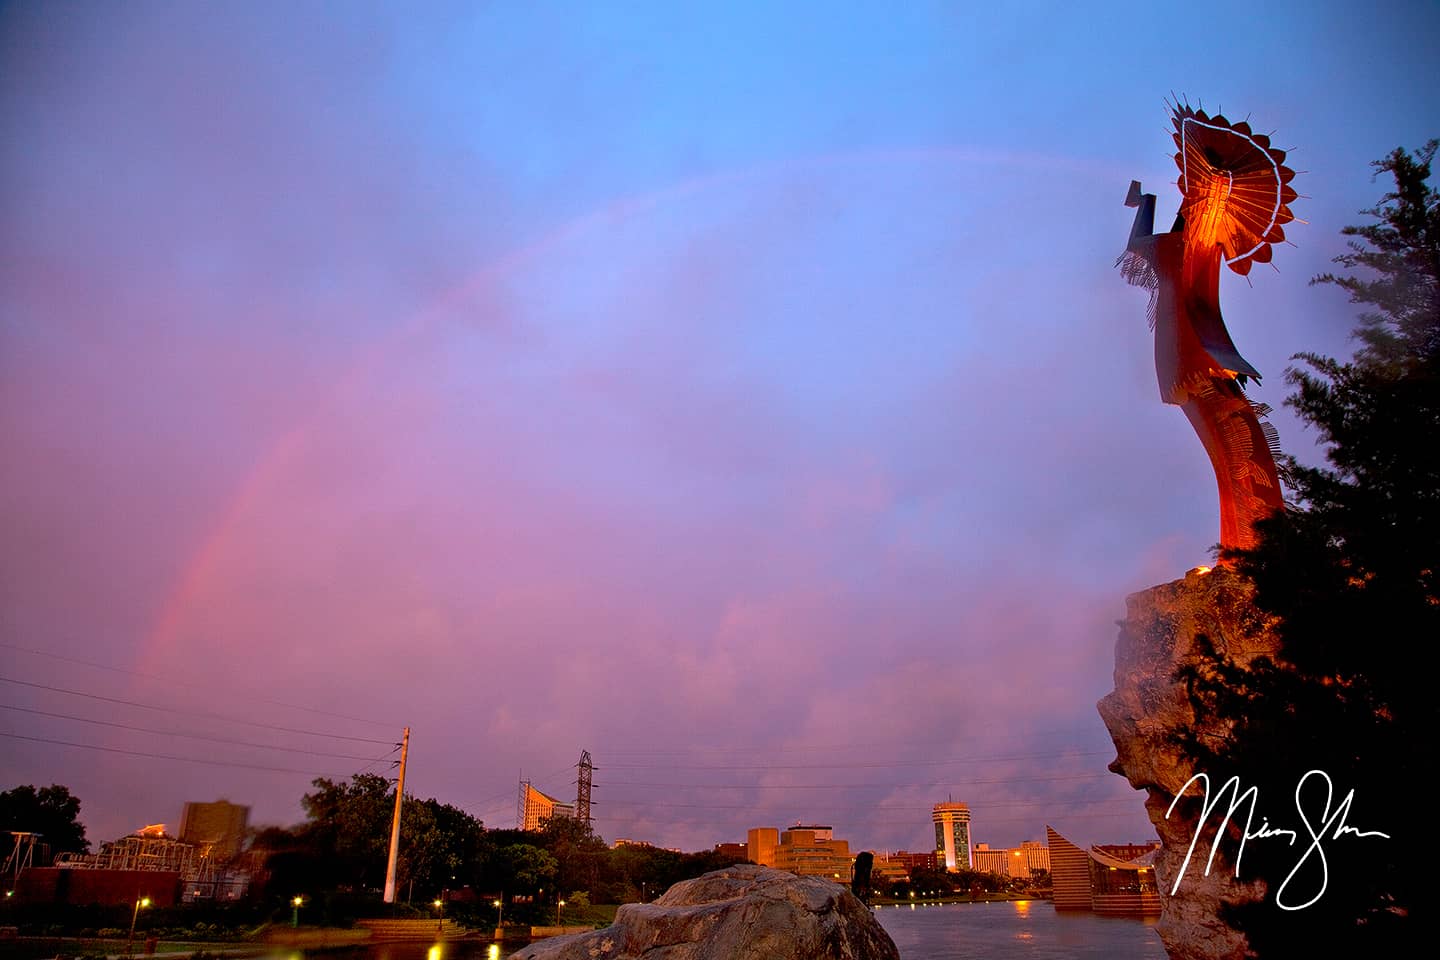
x=745, y=395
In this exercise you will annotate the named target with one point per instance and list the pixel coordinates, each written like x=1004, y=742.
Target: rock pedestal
x=739, y=913
x=1147, y=708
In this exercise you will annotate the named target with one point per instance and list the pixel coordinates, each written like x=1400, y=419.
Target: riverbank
x=958, y=898
x=45, y=948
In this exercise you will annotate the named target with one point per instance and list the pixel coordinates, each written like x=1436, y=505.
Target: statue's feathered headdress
x=1236, y=187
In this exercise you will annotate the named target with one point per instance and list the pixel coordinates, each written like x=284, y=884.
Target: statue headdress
x=1235, y=185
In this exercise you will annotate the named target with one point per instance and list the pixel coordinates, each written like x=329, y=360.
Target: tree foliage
x=345, y=841
x=1348, y=577
x=53, y=812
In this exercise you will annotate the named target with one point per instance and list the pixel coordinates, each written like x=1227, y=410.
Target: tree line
x=447, y=854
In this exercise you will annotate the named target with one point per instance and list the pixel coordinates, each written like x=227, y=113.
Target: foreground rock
x=1147, y=709
x=739, y=913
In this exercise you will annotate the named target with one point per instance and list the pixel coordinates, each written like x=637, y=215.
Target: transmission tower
x=522, y=805
x=582, y=792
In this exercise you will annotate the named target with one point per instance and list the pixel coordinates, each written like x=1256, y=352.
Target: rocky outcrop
x=739, y=913
x=1144, y=713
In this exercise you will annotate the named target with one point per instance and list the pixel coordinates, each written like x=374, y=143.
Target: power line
x=193, y=713
x=509, y=795
x=190, y=736
x=796, y=748
x=851, y=786
x=166, y=756
x=871, y=823
x=163, y=679
x=864, y=766
x=644, y=804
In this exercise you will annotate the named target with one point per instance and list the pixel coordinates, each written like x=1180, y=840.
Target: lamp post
x=500, y=917
x=295, y=903
x=130, y=942
x=440, y=908
x=560, y=913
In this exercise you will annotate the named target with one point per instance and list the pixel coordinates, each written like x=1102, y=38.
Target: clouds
x=716, y=401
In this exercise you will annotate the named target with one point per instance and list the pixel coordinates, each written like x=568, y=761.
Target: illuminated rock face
x=1147, y=709
x=743, y=912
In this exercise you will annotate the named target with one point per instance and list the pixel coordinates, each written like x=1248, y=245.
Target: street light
x=295, y=903
x=559, y=913
x=440, y=906
x=139, y=902
x=500, y=915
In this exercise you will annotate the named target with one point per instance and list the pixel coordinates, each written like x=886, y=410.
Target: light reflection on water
x=402, y=950
x=1016, y=929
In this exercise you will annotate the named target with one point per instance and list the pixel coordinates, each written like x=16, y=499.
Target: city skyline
x=224, y=824
x=745, y=395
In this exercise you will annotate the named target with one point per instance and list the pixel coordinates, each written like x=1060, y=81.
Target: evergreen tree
x=1351, y=577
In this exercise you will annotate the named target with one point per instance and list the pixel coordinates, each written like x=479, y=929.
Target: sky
x=742, y=392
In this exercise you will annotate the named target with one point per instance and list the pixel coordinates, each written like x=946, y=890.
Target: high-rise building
x=537, y=807
x=952, y=835
x=217, y=829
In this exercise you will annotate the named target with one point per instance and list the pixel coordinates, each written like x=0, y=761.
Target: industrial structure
x=162, y=867
x=533, y=807
x=22, y=855
x=582, y=787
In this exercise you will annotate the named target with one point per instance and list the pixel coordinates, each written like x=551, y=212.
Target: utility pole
x=395, y=827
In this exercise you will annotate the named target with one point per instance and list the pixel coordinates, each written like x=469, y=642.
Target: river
x=1029, y=929
x=1013, y=930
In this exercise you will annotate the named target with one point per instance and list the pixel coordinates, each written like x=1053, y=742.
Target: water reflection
x=1029, y=929
x=1015, y=929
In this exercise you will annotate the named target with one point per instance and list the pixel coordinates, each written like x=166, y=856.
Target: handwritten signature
x=1331, y=825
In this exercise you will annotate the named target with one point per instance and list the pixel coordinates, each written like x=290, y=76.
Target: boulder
x=743, y=912
x=1148, y=709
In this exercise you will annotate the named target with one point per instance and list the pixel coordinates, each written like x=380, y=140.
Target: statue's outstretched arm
x=1144, y=226
x=1137, y=263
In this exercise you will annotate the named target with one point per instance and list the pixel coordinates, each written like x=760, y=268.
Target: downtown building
x=897, y=867
x=1112, y=880
x=809, y=850
x=952, y=836
x=1020, y=862
x=535, y=807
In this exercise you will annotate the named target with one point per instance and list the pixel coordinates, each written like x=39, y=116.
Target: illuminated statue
x=1236, y=200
